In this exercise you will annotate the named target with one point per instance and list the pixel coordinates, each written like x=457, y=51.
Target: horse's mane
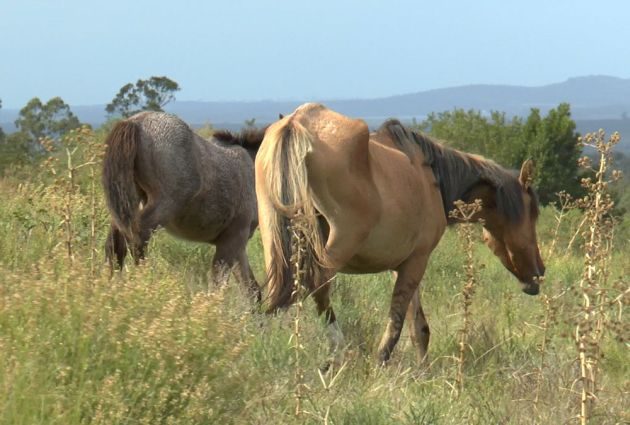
x=457, y=173
x=248, y=138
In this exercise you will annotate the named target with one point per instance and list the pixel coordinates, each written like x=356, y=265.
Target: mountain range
x=596, y=102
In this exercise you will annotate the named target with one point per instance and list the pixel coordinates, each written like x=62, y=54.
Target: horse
x=367, y=203
x=158, y=172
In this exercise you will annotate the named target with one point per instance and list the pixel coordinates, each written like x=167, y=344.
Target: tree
x=15, y=150
x=470, y=131
x=552, y=143
x=1, y=131
x=51, y=119
x=146, y=95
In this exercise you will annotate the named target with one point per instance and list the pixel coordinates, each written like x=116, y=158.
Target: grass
x=155, y=345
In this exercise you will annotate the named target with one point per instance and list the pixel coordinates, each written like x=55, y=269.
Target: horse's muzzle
x=531, y=288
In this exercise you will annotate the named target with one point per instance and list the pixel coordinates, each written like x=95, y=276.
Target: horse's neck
x=456, y=173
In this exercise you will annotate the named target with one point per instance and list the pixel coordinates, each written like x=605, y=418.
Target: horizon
x=288, y=100
x=248, y=51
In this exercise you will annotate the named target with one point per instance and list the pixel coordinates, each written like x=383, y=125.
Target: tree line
x=550, y=140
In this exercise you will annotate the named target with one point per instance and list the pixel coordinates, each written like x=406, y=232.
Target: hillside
x=596, y=102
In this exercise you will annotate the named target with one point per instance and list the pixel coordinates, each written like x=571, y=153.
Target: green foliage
x=621, y=189
x=471, y=131
x=145, y=95
x=206, y=131
x=52, y=119
x=15, y=151
x=2, y=135
x=551, y=141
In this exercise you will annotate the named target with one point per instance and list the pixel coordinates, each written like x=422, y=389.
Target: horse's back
x=371, y=184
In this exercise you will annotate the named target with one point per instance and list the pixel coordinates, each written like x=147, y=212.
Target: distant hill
x=596, y=101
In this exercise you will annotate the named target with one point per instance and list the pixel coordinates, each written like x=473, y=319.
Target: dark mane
x=458, y=173
x=248, y=138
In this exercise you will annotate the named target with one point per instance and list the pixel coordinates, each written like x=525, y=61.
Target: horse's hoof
x=325, y=367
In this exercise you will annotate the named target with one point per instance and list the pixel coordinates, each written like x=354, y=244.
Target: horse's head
x=514, y=241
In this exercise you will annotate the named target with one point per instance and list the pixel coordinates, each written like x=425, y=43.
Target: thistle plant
x=593, y=287
x=564, y=205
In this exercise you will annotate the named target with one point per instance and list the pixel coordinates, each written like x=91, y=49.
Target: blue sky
x=84, y=51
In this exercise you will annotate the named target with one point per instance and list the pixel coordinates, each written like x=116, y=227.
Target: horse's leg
x=409, y=275
x=246, y=276
x=151, y=216
x=340, y=248
x=221, y=267
x=321, y=296
x=230, y=249
x=115, y=246
x=418, y=326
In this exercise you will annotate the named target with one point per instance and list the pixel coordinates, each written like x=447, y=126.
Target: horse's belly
x=394, y=240
x=382, y=251
x=360, y=264
x=196, y=230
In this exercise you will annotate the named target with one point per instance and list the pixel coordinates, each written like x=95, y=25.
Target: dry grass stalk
x=563, y=206
x=93, y=250
x=297, y=258
x=80, y=146
x=593, y=318
x=464, y=213
x=548, y=322
x=69, y=189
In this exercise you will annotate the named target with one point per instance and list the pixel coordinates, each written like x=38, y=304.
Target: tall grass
x=155, y=345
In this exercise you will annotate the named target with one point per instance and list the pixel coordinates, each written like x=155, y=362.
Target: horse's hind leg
x=321, y=296
x=230, y=254
x=151, y=216
x=115, y=246
x=409, y=275
x=338, y=251
x=246, y=276
x=418, y=327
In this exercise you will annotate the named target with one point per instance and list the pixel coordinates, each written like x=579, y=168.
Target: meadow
x=156, y=345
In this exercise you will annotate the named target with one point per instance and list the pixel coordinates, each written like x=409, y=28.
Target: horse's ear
x=280, y=116
x=527, y=174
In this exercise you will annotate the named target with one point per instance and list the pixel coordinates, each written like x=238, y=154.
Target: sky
x=85, y=50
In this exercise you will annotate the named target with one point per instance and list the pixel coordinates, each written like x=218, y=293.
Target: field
x=156, y=345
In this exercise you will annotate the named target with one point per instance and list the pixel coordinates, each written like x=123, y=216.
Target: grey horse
x=158, y=172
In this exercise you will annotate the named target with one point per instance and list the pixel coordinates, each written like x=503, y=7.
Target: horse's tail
x=290, y=220
x=119, y=181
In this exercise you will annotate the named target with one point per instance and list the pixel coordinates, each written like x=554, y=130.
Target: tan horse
x=158, y=172
x=375, y=202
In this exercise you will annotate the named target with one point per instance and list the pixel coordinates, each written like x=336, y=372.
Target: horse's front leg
x=409, y=275
x=418, y=327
